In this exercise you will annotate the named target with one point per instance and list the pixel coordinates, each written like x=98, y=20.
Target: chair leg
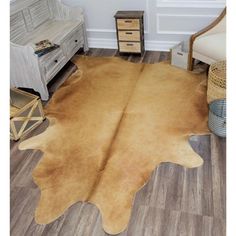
x=207, y=70
x=191, y=64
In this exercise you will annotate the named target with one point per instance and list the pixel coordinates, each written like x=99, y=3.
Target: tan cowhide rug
x=111, y=124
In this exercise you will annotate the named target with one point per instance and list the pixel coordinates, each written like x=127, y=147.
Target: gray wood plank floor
x=175, y=202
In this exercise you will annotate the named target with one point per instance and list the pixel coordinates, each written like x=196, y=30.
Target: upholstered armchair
x=209, y=44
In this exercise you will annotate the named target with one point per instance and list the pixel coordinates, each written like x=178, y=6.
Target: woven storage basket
x=217, y=117
x=216, y=81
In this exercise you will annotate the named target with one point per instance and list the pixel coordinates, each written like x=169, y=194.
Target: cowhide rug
x=111, y=124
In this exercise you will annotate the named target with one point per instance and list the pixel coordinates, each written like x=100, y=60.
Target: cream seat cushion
x=212, y=46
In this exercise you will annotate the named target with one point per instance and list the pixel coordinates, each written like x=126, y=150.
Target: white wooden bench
x=35, y=20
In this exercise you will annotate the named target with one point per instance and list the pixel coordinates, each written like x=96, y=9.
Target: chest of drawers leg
x=130, y=31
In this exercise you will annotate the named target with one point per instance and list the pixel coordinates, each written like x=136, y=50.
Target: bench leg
x=43, y=94
x=86, y=48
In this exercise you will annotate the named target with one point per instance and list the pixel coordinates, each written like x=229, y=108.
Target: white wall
x=166, y=21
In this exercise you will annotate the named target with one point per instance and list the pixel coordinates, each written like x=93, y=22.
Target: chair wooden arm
x=204, y=30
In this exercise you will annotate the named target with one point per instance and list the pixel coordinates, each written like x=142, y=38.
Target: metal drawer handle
x=76, y=40
x=129, y=44
x=55, y=61
x=128, y=21
x=128, y=33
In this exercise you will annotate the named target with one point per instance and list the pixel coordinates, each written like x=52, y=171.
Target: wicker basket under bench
x=26, y=113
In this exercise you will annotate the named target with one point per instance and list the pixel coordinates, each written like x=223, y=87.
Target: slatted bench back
x=26, y=16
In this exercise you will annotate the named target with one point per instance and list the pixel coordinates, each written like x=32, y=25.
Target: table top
x=129, y=14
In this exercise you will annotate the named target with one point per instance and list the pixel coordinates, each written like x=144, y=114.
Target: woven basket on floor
x=216, y=81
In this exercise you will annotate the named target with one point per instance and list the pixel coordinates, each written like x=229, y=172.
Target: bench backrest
x=26, y=16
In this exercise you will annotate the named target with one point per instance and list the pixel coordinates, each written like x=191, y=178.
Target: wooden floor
x=175, y=202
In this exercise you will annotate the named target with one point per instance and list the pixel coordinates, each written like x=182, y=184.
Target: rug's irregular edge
x=106, y=227
x=36, y=146
x=32, y=142
x=196, y=161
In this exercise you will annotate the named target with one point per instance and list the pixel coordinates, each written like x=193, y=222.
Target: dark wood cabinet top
x=129, y=14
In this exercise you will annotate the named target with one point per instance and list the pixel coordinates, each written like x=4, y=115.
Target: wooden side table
x=130, y=31
x=26, y=113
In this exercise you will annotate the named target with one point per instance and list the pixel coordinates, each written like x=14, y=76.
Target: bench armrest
x=23, y=58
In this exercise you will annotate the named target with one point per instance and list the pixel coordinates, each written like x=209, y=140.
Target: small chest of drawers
x=130, y=31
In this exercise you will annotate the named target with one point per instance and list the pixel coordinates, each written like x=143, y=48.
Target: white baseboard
x=102, y=43
x=164, y=46
x=149, y=45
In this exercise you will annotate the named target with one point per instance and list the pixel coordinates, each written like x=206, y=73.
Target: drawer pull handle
x=128, y=33
x=129, y=44
x=76, y=40
x=128, y=21
x=55, y=61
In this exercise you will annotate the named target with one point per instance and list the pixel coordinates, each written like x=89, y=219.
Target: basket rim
x=221, y=62
x=216, y=100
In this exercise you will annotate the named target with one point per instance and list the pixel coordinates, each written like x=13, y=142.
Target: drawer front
x=129, y=35
x=129, y=24
x=52, y=62
x=130, y=47
x=73, y=42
